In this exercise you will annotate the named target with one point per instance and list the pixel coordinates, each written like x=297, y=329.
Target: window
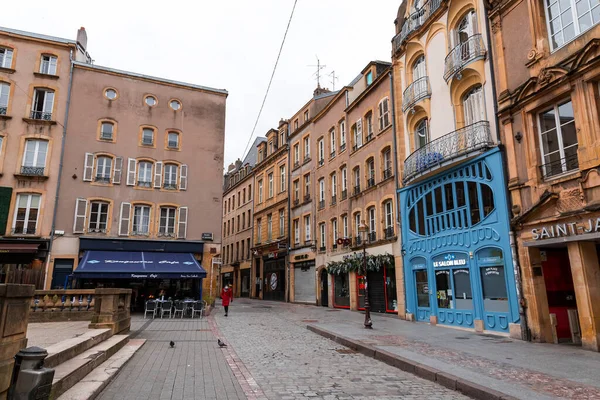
x=110, y=94
x=345, y=225
x=332, y=142
x=233, y=202
x=356, y=180
x=342, y=135
x=34, y=159
x=334, y=231
x=558, y=136
x=321, y=190
x=296, y=191
x=344, y=179
x=147, y=136
x=170, y=180
x=145, y=174
x=43, y=103
x=370, y=172
x=568, y=19
x=269, y=227
x=1, y=141
x=270, y=147
x=98, y=216
x=103, y=169
x=421, y=134
x=166, y=226
x=387, y=163
x=307, y=186
x=260, y=191
x=248, y=248
x=369, y=77
x=4, y=94
x=282, y=137
x=26, y=215
x=357, y=224
x=389, y=218
x=270, y=178
x=372, y=223
x=141, y=220
x=6, y=56
x=249, y=192
x=150, y=100
x=173, y=140
x=282, y=178
x=107, y=130
x=333, y=186
x=281, y=223
x=307, y=228
x=48, y=64
x=175, y=104
x=418, y=69
x=305, y=115
x=296, y=154
x=384, y=114
x=321, y=151
x=295, y=124
x=296, y=231
x=322, y=238
x=244, y=196
x=473, y=105
x=369, y=123
x=307, y=147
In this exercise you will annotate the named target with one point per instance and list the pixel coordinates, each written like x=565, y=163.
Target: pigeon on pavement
x=172, y=344
x=220, y=343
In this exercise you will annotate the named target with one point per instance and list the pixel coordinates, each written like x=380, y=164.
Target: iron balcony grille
x=333, y=199
x=463, y=54
x=3, y=110
x=22, y=230
x=172, y=145
x=32, y=171
x=357, y=241
x=369, y=137
x=136, y=232
x=342, y=147
x=372, y=236
x=389, y=232
x=145, y=184
x=102, y=179
x=561, y=166
x=96, y=230
x=170, y=186
x=344, y=194
x=321, y=162
x=370, y=182
x=163, y=232
x=334, y=246
x=414, y=21
x=356, y=147
x=296, y=202
x=332, y=155
x=415, y=92
x=322, y=249
x=106, y=136
x=387, y=173
x=41, y=115
x=307, y=197
x=455, y=144
x=296, y=164
x=321, y=204
x=356, y=189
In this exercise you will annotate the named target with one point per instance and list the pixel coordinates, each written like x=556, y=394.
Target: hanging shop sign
x=567, y=229
x=450, y=260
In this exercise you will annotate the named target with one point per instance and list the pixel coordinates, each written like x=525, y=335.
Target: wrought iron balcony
x=370, y=182
x=321, y=162
x=389, y=232
x=415, y=92
x=387, y=173
x=342, y=147
x=32, y=171
x=321, y=204
x=44, y=116
x=356, y=189
x=3, y=110
x=96, y=230
x=334, y=246
x=357, y=241
x=332, y=155
x=560, y=166
x=296, y=164
x=472, y=138
x=344, y=194
x=463, y=54
x=296, y=202
x=414, y=21
x=22, y=230
x=333, y=199
x=372, y=237
x=369, y=137
x=140, y=232
x=145, y=184
x=170, y=186
x=102, y=179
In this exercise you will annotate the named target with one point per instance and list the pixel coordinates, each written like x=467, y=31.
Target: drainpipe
x=513, y=245
x=60, y=169
x=289, y=209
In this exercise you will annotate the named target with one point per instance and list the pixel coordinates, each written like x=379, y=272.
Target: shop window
x=341, y=289
x=462, y=289
x=493, y=280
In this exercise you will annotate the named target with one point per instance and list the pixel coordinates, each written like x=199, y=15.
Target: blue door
x=423, y=293
x=453, y=291
x=493, y=275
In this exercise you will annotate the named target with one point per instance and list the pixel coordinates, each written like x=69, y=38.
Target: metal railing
x=145, y=184
x=356, y=189
x=32, y=171
x=296, y=202
x=389, y=232
x=387, y=173
x=372, y=237
x=342, y=147
x=296, y=164
x=471, y=138
x=356, y=147
x=322, y=249
x=172, y=145
x=357, y=241
x=41, y=115
x=561, y=166
x=170, y=186
x=163, y=232
x=307, y=197
x=332, y=155
x=464, y=53
x=321, y=204
x=96, y=230
x=344, y=194
x=370, y=182
x=3, y=110
x=22, y=230
x=415, y=92
x=414, y=21
x=321, y=162
x=102, y=179
x=333, y=199
x=369, y=138
x=106, y=136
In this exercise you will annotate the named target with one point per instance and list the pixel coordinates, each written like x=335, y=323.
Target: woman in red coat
x=226, y=297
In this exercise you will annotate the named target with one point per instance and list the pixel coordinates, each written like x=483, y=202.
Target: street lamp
x=363, y=230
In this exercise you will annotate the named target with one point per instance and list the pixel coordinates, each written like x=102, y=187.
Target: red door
x=559, y=288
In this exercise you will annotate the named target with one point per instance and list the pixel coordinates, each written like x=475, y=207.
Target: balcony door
x=465, y=29
x=419, y=69
x=473, y=106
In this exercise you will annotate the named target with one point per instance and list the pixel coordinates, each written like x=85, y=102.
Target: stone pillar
x=112, y=310
x=586, y=279
x=15, y=301
x=353, y=287
x=400, y=288
x=535, y=295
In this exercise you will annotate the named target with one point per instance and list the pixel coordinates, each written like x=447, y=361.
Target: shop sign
x=491, y=271
x=450, y=260
x=301, y=257
x=272, y=254
x=273, y=281
x=566, y=229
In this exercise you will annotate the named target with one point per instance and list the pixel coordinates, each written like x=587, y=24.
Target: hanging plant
x=354, y=263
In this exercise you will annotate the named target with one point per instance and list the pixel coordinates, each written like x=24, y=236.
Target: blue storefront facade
x=455, y=243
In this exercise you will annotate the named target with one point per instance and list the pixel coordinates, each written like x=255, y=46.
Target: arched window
x=371, y=213
x=48, y=64
x=107, y=129
x=466, y=28
x=173, y=140
x=43, y=104
x=473, y=107
x=356, y=172
x=388, y=209
x=370, y=172
x=418, y=69
x=421, y=134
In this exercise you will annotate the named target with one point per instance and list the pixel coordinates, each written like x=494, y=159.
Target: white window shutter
x=88, y=168
x=118, y=170
x=182, y=224
x=124, y=219
x=158, y=171
x=131, y=165
x=183, y=178
x=80, y=214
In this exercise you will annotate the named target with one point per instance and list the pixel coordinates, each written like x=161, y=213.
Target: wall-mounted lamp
x=403, y=252
x=519, y=136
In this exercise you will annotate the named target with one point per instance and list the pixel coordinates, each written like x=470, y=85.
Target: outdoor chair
x=150, y=308
x=179, y=306
x=166, y=308
x=198, y=307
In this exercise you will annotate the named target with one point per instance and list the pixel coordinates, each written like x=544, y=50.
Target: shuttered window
x=182, y=224
x=98, y=217
x=167, y=221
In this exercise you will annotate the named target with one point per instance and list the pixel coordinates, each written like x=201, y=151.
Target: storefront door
x=341, y=291
x=423, y=303
x=453, y=290
x=324, y=288
x=245, y=279
x=492, y=273
x=274, y=284
x=305, y=282
x=62, y=269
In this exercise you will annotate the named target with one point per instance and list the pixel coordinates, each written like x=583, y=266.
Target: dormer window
x=369, y=77
x=305, y=115
x=48, y=64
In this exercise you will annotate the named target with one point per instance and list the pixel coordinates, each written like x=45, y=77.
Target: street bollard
x=31, y=381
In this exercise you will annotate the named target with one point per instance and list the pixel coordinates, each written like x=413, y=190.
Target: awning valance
x=138, y=265
x=19, y=247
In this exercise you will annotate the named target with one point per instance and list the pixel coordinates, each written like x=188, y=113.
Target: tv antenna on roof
x=318, y=73
x=333, y=79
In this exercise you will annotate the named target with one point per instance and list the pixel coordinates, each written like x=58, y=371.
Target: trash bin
x=30, y=380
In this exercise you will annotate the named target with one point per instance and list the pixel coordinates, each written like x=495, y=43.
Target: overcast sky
x=226, y=44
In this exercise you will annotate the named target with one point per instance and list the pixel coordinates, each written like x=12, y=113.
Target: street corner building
x=457, y=258
x=141, y=186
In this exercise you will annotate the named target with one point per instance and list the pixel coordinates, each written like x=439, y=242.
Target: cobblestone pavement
x=289, y=362
x=194, y=369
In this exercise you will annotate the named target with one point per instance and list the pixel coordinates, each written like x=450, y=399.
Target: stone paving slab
x=44, y=334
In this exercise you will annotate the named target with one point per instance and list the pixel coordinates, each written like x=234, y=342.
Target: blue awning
x=138, y=265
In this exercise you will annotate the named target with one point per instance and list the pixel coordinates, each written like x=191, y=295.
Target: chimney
x=82, y=37
x=238, y=163
x=231, y=167
x=319, y=90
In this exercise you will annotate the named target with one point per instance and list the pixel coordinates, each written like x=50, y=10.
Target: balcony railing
x=389, y=232
x=414, y=21
x=172, y=144
x=296, y=164
x=147, y=141
x=44, y=116
x=322, y=249
x=344, y=194
x=372, y=237
x=356, y=189
x=415, y=92
x=3, y=110
x=561, y=166
x=332, y=155
x=370, y=182
x=321, y=204
x=23, y=230
x=369, y=137
x=455, y=144
x=307, y=197
x=463, y=54
x=342, y=147
x=145, y=184
x=333, y=199
x=357, y=241
x=296, y=202
x=32, y=171
x=356, y=147
x=321, y=162
x=106, y=136
x=102, y=179
x=387, y=173
x=170, y=186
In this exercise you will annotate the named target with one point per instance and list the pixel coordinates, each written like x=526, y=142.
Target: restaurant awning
x=19, y=247
x=138, y=265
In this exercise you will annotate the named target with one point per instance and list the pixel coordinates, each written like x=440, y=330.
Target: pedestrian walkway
x=512, y=367
x=44, y=334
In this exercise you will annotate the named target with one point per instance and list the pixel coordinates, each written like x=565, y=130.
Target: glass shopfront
x=382, y=290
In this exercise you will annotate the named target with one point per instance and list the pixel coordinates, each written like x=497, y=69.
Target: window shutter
x=88, y=168
x=183, y=177
x=80, y=213
x=124, y=219
x=158, y=171
x=182, y=227
x=118, y=169
x=131, y=165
